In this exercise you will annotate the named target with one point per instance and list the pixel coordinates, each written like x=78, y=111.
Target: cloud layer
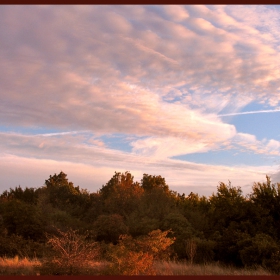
x=161, y=75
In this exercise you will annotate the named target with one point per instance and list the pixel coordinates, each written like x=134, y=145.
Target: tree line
x=125, y=217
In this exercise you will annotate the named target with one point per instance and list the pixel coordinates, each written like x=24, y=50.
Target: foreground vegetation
x=132, y=228
x=15, y=266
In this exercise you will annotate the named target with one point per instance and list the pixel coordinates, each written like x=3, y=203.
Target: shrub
x=13, y=245
x=258, y=250
x=136, y=256
x=73, y=254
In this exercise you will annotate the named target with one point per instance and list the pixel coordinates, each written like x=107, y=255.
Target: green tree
x=265, y=206
x=95, y=208
x=150, y=182
x=150, y=211
x=108, y=228
x=140, y=224
x=61, y=191
x=27, y=195
x=226, y=206
x=63, y=195
x=23, y=219
x=196, y=209
x=258, y=250
x=227, y=248
x=121, y=194
x=182, y=230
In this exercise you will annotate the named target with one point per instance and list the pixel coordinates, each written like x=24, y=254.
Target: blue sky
x=190, y=93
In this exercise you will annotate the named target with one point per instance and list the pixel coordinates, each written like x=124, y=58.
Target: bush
x=259, y=250
x=13, y=245
x=108, y=228
x=136, y=256
x=73, y=254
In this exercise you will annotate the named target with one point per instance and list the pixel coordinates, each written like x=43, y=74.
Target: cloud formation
x=68, y=59
x=161, y=75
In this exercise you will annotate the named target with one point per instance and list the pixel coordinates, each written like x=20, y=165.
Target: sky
x=191, y=93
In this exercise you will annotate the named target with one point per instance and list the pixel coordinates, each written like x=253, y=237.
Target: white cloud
x=250, y=143
x=177, y=13
x=34, y=157
x=251, y=112
x=180, y=176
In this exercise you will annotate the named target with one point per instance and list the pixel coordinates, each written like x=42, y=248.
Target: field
x=181, y=268
x=17, y=266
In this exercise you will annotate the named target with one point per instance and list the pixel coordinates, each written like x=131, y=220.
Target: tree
x=265, y=204
x=157, y=203
x=227, y=246
x=181, y=230
x=23, y=219
x=95, y=208
x=258, y=250
x=27, y=195
x=150, y=182
x=226, y=206
x=63, y=195
x=108, y=228
x=140, y=224
x=121, y=194
x=195, y=209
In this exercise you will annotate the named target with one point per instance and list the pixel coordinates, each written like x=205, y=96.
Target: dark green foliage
x=62, y=194
x=181, y=230
x=150, y=182
x=27, y=195
x=265, y=200
x=226, y=206
x=23, y=219
x=140, y=225
x=205, y=250
x=108, y=228
x=15, y=245
x=150, y=211
x=196, y=210
x=121, y=194
x=257, y=250
x=95, y=208
x=157, y=203
x=227, y=246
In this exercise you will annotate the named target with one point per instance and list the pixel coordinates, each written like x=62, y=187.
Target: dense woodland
x=227, y=227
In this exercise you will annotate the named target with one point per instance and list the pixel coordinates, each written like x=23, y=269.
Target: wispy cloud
x=250, y=112
x=181, y=176
x=61, y=133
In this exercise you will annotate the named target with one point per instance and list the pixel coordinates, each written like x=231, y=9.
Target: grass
x=183, y=268
x=16, y=266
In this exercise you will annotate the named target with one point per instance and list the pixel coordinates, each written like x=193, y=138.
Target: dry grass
x=16, y=266
x=183, y=268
